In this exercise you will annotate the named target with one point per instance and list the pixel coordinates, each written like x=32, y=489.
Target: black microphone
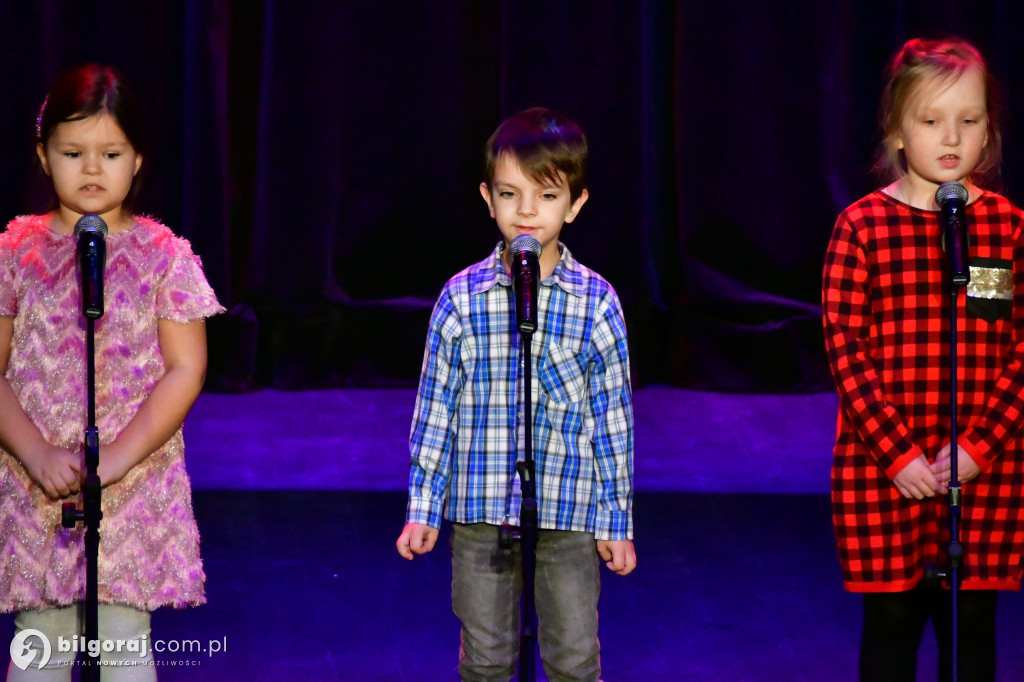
x=952, y=200
x=525, y=275
x=92, y=259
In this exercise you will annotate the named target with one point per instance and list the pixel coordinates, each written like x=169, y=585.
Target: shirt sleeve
x=1001, y=419
x=184, y=294
x=435, y=418
x=848, y=328
x=611, y=403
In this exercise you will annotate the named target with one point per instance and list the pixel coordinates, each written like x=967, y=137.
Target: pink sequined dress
x=149, y=546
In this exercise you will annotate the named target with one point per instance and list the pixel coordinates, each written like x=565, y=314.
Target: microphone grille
x=91, y=223
x=950, y=190
x=525, y=242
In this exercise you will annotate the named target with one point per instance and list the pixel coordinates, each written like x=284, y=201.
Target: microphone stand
x=952, y=200
x=526, y=293
x=90, y=515
x=91, y=512
x=528, y=524
x=954, y=550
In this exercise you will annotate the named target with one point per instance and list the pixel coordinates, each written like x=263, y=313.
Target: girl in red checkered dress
x=886, y=316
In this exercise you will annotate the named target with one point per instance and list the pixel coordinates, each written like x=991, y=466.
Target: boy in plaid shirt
x=886, y=317
x=467, y=428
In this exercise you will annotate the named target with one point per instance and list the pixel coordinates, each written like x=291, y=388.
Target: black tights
x=894, y=624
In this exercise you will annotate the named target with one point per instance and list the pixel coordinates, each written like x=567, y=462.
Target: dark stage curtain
x=324, y=157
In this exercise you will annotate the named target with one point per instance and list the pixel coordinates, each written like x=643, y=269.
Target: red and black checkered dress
x=886, y=324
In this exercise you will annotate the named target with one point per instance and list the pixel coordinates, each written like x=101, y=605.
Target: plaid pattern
x=468, y=418
x=886, y=331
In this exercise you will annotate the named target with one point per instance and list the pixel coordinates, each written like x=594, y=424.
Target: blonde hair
x=918, y=62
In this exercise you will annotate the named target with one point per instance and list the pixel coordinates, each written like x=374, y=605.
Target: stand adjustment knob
x=70, y=516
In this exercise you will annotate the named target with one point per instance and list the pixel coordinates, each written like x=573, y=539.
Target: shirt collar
x=567, y=275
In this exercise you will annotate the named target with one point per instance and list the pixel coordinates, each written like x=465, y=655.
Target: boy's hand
x=57, y=471
x=619, y=555
x=967, y=468
x=416, y=538
x=916, y=480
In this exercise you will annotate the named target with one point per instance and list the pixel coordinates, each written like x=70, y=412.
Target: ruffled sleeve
x=184, y=294
x=9, y=241
x=8, y=294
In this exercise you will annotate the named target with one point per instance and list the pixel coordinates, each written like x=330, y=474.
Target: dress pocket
x=563, y=375
x=990, y=291
x=990, y=310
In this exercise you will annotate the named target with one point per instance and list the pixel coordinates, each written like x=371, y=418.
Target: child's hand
x=57, y=471
x=619, y=555
x=114, y=464
x=917, y=481
x=416, y=538
x=967, y=468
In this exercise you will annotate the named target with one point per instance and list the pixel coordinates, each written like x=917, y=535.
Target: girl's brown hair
x=85, y=91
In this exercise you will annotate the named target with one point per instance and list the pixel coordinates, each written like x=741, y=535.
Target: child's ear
x=138, y=164
x=41, y=153
x=576, y=206
x=485, y=192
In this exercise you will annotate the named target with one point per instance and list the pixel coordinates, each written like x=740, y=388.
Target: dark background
x=323, y=159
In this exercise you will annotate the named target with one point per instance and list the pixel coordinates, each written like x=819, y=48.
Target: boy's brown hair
x=545, y=144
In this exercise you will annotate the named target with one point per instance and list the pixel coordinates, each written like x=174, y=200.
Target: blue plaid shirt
x=468, y=422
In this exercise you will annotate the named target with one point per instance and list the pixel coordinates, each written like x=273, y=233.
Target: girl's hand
x=114, y=464
x=916, y=480
x=56, y=470
x=967, y=468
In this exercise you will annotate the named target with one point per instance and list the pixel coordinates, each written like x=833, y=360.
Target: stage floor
x=686, y=441
x=300, y=496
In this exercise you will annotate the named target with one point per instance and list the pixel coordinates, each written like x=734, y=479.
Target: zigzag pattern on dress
x=149, y=547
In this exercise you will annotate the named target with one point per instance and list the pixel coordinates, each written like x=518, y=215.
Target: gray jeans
x=486, y=588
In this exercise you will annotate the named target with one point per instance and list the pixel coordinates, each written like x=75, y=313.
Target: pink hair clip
x=39, y=119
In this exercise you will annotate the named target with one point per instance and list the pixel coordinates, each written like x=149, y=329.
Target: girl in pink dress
x=150, y=364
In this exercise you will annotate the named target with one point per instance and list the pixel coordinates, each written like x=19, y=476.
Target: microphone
x=91, y=232
x=952, y=200
x=525, y=275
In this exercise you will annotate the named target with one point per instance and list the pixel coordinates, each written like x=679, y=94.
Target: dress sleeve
x=8, y=290
x=848, y=328
x=184, y=294
x=1004, y=409
x=611, y=404
x=435, y=419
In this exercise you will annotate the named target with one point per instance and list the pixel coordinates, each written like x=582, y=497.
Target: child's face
x=521, y=205
x=92, y=164
x=944, y=129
